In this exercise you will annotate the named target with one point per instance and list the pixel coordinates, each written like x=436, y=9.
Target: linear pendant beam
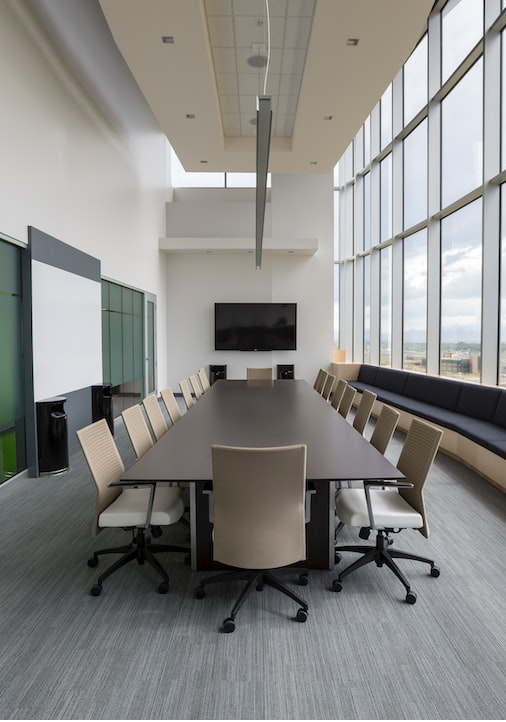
x=264, y=122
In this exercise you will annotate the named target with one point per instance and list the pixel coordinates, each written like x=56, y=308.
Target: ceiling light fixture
x=190, y=116
x=352, y=41
x=168, y=39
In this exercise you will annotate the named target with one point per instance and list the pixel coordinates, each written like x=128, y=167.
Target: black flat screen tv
x=255, y=326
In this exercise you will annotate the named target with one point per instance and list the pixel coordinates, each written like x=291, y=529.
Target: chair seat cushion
x=130, y=507
x=390, y=509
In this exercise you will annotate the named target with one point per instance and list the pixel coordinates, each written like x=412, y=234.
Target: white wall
x=302, y=207
x=69, y=170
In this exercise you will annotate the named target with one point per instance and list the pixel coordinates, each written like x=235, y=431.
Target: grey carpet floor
x=363, y=653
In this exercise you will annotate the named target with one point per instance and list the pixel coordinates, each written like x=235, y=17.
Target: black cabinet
x=52, y=436
x=286, y=371
x=216, y=372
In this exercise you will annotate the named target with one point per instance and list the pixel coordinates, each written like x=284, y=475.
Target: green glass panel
x=127, y=300
x=138, y=303
x=116, y=348
x=114, y=297
x=105, y=295
x=128, y=348
x=106, y=348
x=150, y=332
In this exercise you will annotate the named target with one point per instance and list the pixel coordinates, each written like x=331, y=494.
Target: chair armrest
x=152, y=484
x=397, y=483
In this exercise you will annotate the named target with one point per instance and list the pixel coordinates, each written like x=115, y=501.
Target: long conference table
x=259, y=413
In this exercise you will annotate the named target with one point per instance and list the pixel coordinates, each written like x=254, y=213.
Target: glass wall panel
x=461, y=268
x=414, y=302
x=415, y=75
x=123, y=344
x=461, y=29
x=367, y=141
x=336, y=224
x=462, y=136
x=502, y=327
x=336, y=305
x=386, y=306
x=367, y=210
x=367, y=309
x=386, y=117
x=386, y=198
x=503, y=100
x=415, y=176
x=12, y=417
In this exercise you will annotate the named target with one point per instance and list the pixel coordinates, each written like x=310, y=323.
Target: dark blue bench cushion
x=479, y=402
x=440, y=392
x=391, y=379
x=367, y=374
x=500, y=412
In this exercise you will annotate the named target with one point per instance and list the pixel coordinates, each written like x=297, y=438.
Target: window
x=462, y=136
x=386, y=306
x=414, y=302
x=461, y=266
x=386, y=117
x=336, y=305
x=185, y=179
x=415, y=176
x=415, y=84
x=367, y=309
x=386, y=198
x=462, y=28
x=12, y=416
x=502, y=327
x=367, y=210
x=503, y=100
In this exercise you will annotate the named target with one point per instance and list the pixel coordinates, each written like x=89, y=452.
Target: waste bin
x=286, y=371
x=217, y=371
x=52, y=436
x=101, y=404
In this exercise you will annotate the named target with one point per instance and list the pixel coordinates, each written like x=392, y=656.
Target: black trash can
x=216, y=372
x=52, y=436
x=101, y=404
x=286, y=371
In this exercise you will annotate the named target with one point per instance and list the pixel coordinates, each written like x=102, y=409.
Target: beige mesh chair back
x=137, y=429
x=105, y=464
x=131, y=509
x=171, y=404
x=363, y=413
x=328, y=386
x=155, y=416
x=259, y=517
x=337, y=393
x=204, y=381
x=259, y=374
x=390, y=506
x=196, y=386
x=347, y=401
x=187, y=396
x=384, y=428
x=320, y=380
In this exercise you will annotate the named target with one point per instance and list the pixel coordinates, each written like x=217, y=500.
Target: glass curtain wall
x=434, y=203
x=12, y=419
x=123, y=344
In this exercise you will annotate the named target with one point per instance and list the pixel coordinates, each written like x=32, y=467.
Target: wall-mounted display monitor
x=255, y=326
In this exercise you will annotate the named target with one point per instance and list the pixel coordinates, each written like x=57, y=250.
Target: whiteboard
x=66, y=331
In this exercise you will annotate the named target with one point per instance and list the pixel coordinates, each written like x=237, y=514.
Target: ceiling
x=201, y=64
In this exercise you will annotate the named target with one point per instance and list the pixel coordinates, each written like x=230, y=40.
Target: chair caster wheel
x=303, y=580
x=301, y=615
x=337, y=558
x=93, y=562
x=336, y=585
x=411, y=597
x=228, y=625
x=435, y=571
x=96, y=590
x=199, y=593
x=163, y=587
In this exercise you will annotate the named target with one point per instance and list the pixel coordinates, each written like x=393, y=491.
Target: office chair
x=171, y=404
x=196, y=386
x=187, y=396
x=259, y=374
x=137, y=429
x=337, y=393
x=155, y=416
x=387, y=507
x=204, y=381
x=133, y=509
x=384, y=428
x=328, y=386
x=364, y=410
x=347, y=401
x=258, y=511
x=320, y=380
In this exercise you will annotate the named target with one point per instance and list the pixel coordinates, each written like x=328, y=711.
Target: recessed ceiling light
x=203, y=161
x=313, y=162
x=328, y=117
x=352, y=41
x=190, y=116
x=168, y=39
